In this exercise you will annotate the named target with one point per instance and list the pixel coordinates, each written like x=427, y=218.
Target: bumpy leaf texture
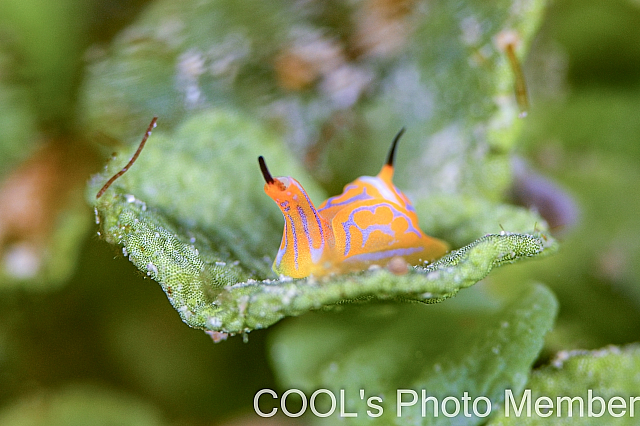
x=473, y=345
x=610, y=374
x=314, y=85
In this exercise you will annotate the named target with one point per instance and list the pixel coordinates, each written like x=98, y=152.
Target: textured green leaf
x=472, y=344
x=607, y=373
x=196, y=262
x=192, y=214
x=183, y=56
x=453, y=89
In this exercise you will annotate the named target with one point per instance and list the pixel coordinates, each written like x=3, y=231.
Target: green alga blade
x=582, y=387
x=472, y=345
x=191, y=213
x=214, y=274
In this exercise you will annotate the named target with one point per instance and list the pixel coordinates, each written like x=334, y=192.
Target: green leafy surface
x=212, y=275
x=191, y=213
x=473, y=344
x=210, y=291
x=449, y=83
x=610, y=374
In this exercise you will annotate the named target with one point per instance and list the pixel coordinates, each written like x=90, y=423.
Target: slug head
x=284, y=190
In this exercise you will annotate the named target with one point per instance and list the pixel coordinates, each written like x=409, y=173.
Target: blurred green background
x=64, y=340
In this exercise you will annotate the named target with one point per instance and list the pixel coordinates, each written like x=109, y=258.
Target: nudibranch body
x=370, y=223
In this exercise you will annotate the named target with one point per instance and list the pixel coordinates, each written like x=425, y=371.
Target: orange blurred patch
x=33, y=195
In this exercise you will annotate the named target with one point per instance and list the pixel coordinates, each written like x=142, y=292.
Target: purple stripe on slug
x=367, y=230
x=295, y=242
x=378, y=255
x=315, y=213
x=386, y=229
x=282, y=250
x=360, y=197
x=305, y=226
x=316, y=253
